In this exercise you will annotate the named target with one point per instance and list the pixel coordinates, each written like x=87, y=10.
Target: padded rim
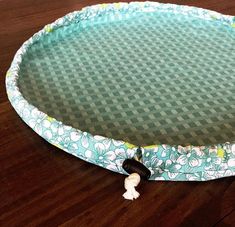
x=190, y=163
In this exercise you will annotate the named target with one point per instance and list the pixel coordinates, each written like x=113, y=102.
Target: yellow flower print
x=102, y=6
x=117, y=5
x=48, y=28
x=220, y=152
x=130, y=146
x=50, y=119
x=8, y=73
x=58, y=146
x=150, y=147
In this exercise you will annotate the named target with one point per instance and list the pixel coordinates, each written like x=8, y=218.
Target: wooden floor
x=41, y=185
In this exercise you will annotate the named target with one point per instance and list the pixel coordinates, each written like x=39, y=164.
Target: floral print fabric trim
x=166, y=162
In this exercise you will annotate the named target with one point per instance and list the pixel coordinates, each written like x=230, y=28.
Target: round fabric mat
x=144, y=73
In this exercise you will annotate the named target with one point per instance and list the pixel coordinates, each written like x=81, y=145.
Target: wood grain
x=41, y=185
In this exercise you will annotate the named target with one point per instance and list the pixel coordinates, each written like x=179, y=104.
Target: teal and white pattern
x=166, y=162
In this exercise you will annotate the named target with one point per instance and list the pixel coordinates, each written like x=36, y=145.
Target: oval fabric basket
x=142, y=72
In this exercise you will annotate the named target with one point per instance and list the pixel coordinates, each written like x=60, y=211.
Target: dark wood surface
x=41, y=185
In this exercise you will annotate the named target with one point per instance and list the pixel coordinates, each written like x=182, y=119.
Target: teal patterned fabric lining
x=147, y=79
x=144, y=73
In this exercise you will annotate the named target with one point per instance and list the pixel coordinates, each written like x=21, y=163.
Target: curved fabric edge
x=177, y=163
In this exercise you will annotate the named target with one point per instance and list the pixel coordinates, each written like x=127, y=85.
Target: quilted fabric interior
x=145, y=78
